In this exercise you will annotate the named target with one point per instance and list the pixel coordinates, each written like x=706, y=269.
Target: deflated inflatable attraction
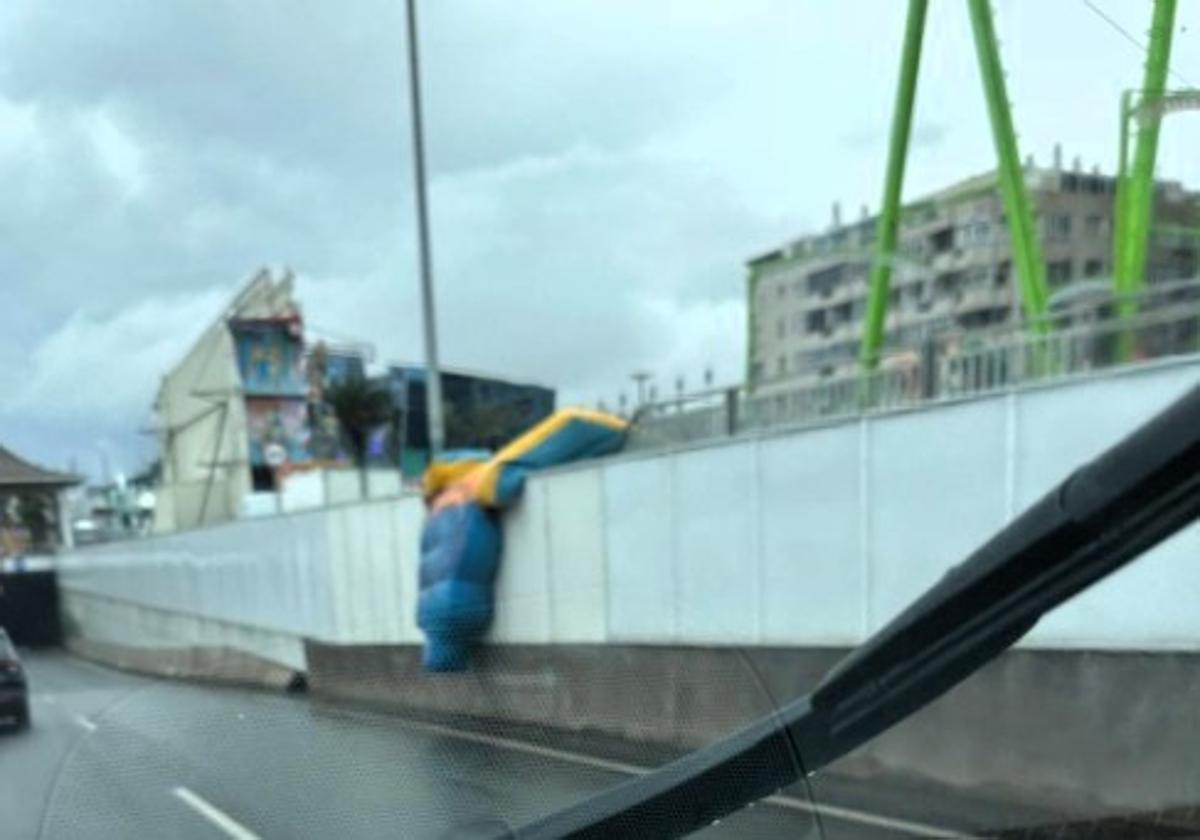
x=461, y=540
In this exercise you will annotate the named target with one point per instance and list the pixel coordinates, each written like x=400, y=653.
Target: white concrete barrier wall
x=303, y=491
x=124, y=623
x=821, y=537
x=811, y=538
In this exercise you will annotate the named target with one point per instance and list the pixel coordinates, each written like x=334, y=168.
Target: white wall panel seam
x=864, y=524
x=756, y=541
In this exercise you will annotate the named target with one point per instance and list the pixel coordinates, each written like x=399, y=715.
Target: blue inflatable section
x=460, y=554
x=461, y=543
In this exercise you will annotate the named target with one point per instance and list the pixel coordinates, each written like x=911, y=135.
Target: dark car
x=14, y=690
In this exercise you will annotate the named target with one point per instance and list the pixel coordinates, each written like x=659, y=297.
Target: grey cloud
x=600, y=170
x=874, y=137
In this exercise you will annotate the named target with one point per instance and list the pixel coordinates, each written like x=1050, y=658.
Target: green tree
x=361, y=406
x=34, y=515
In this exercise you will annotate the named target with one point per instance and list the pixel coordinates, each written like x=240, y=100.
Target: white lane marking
x=531, y=749
x=833, y=811
x=851, y=815
x=85, y=723
x=227, y=824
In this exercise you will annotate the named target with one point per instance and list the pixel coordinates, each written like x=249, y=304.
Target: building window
x=1058, y=272
x=798, y=323
x=982, y=318
x=913, y=293
x=942, y=241
x=781, y=328
x=781, y=365
x=1093, y=268
x=1003, y=273
x=756, y=372
x=826, y=281
x=798, y=362
x=979, y=233
x=1059, y=226
x=1093, y=225
x=949, y=284
x=780, y=290
x=816, y=321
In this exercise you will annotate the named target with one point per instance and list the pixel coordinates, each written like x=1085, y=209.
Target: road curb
x=221, y=665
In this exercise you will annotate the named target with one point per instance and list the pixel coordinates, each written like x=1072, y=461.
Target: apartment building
x=952, y=273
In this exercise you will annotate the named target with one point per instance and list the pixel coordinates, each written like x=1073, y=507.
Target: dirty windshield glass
x=436, y=418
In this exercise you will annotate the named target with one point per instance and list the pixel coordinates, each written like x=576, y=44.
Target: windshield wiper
x=1105, y=514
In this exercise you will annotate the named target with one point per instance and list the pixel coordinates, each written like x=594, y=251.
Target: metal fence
x=937, y=371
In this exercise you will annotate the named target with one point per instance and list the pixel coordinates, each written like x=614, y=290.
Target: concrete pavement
x=117, y=756
x=112, y=755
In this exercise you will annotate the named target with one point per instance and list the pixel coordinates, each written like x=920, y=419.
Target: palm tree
x=361, y=406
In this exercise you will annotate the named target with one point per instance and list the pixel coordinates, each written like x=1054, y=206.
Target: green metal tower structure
x=1135, y=185
x=1027, y=250
x=889, y=215
x=1027, y=256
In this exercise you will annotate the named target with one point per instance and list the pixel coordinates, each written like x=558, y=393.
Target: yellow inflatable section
x=568, y=434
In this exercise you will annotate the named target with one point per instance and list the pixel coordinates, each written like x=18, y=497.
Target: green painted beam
x=889, y=216
x=1136, y=203
x=1027, y=251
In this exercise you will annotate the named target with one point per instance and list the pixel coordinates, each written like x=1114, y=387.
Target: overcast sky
x=600, y=169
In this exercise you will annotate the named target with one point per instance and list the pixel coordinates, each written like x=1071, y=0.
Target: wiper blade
x=1106, y=513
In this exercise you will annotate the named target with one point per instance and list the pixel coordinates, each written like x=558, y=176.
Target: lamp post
x=433, y=384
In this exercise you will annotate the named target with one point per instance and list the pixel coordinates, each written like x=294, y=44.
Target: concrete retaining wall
x=114, y=624
x=209, y=664
x=1082, y=733
x=814, y=539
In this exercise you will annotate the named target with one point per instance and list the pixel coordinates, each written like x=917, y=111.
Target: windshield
x=592, y=418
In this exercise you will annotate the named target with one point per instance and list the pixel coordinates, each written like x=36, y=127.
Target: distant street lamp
x=641, y=377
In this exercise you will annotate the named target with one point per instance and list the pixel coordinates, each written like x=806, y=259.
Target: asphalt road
x=112, y=755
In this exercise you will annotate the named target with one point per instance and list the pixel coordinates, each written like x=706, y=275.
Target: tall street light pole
x=433, y=384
